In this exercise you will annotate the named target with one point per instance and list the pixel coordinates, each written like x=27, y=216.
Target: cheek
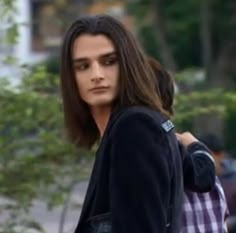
x=117, y=79
x=81, y=85
x=114, y=75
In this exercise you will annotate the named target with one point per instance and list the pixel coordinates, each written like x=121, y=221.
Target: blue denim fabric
x=99, y=224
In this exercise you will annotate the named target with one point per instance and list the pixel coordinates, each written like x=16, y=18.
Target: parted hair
x=136, y=81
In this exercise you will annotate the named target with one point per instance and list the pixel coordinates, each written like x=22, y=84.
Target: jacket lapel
x=95, y=173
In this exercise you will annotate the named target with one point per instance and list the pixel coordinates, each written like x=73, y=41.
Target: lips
x=99, y=88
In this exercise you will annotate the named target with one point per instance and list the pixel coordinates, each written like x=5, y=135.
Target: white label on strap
x=167, y=126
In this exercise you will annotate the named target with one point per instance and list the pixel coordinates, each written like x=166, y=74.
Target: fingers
x=186, y=138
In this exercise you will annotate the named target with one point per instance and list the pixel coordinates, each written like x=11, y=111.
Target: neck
x=101, y=116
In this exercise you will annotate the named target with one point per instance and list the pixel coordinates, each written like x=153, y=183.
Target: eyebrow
x=81, y=59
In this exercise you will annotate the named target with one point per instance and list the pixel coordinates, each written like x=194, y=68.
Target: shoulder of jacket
x=130, y=114
x=135, y=112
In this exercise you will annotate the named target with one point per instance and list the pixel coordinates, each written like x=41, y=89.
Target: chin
x=100, y=100
x=101, y=103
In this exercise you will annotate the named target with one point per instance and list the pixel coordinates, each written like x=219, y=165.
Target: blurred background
x=42, y=177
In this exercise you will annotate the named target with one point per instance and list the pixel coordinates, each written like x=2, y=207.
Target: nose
x=97, y=72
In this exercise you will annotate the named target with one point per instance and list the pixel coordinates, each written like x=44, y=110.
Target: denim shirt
x=99, y=224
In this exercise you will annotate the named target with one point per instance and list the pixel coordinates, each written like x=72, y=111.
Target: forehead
x=91, y=46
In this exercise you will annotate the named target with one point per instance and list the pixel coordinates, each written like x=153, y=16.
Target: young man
x=109, y=93
x=202, y=212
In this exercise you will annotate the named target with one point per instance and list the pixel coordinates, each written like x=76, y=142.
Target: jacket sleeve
x=140, y=176
x=198, y=168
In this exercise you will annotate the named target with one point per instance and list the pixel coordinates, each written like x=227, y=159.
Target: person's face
x=96, y=70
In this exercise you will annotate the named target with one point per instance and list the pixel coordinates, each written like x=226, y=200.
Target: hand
x=186, y=138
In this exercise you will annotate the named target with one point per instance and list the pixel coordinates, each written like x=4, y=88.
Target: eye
x=81, y=67
x=110, y=61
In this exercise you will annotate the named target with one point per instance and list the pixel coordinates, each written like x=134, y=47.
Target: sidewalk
x=50, y=219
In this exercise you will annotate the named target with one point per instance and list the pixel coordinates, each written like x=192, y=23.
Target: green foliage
x=231, y=130
x=223, y=21
x=52, y=64
x=12, y=34
x=150, y=48
x=141, y=9
x=183, y=25
x=182, y=28
x=7, y=7
x=182, y=20
x=36, y=160
x=7, y=13
x=199, y=103
x=21, y=225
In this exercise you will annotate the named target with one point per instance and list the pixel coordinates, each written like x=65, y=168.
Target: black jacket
x=137, y=175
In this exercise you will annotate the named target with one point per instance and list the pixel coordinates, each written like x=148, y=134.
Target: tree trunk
x=65, y=208
x=206, y=39
x=159, y=25
x=224, y=67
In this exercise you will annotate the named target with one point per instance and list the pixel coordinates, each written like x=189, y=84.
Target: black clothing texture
x=137, y=176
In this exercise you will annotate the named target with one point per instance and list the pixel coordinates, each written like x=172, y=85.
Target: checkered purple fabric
x=205, y=212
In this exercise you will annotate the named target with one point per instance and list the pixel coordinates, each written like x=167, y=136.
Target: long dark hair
x=136, y=76
x=165, y=84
